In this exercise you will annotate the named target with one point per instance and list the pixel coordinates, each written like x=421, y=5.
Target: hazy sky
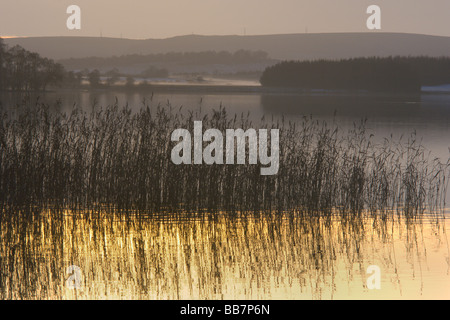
x=142, y=19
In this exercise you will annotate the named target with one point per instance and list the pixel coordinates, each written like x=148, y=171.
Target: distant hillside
x=280, y=47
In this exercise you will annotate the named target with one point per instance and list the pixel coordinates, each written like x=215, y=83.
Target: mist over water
x=295, y=151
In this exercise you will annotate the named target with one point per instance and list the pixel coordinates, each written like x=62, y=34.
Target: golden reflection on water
x=266, y=257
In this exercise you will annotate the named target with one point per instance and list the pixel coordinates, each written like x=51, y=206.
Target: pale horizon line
x=226, y=35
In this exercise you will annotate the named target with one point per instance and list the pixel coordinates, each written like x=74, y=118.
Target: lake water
x=279, y=256
x=427, y=114
x=267, y=257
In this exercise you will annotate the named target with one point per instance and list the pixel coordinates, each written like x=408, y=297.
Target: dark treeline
x=205, y=57
x=22, y=70
x=116, y=158
x=391, y=74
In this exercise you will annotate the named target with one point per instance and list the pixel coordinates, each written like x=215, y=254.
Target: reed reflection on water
x=269, y=256
x=339, y=204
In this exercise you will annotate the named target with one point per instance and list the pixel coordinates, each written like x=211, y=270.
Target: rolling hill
x=280, y=47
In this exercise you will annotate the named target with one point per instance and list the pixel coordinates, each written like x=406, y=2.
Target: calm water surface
x=267, y=257
x=428, y=115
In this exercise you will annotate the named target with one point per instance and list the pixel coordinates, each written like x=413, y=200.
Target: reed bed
x=116, y=158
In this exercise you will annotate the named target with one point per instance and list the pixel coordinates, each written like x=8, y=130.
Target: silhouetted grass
x=113, y=157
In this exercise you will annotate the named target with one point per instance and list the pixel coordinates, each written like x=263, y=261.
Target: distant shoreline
x=245, y=89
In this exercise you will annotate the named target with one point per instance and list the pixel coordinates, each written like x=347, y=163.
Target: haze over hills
x=280, y=47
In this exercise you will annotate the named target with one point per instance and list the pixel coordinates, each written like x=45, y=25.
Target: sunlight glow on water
x=291, y=256
x=266, y=257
